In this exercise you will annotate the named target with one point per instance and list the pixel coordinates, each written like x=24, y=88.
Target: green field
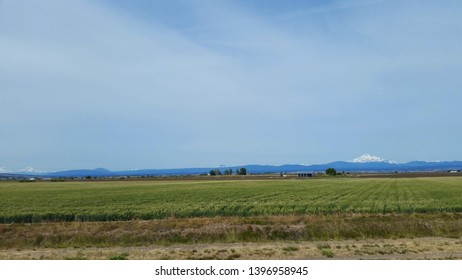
x=147, y=200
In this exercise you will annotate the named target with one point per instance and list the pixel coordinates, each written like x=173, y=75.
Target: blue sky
x=164, y=84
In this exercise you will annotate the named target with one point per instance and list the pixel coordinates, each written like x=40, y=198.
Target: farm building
x=305, y=174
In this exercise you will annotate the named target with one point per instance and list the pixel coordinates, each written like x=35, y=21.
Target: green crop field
x=146, y=200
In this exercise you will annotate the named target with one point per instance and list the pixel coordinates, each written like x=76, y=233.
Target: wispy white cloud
x=330, y=7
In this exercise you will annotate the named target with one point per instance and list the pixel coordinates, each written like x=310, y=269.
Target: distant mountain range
x=364, y=163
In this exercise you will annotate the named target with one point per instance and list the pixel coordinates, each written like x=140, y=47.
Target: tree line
x=241, y=171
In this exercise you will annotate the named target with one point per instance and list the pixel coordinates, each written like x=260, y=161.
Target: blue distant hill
x=383, y=166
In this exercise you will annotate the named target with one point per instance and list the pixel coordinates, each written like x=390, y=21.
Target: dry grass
x=230, y=230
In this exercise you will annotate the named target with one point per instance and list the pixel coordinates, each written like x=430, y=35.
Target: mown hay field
x=148, y=200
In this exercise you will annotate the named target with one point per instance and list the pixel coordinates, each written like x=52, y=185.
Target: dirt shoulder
x=415, y=248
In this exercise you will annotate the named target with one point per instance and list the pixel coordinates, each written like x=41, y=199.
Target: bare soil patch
x=405, y=248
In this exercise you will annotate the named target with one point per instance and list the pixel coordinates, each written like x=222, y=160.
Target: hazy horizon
x=175, y=84
x=365, y=158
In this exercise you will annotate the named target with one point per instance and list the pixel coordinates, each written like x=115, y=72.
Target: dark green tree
x=242, y=171
x=331, y=171
x=228, y=172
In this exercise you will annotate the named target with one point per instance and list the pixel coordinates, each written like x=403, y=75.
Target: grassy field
x=232, y=219
x=148, y=200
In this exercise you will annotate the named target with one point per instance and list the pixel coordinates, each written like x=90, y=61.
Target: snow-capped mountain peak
x=4, y=170
x=26, y=170
x=370, y=158
x=30, y=170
